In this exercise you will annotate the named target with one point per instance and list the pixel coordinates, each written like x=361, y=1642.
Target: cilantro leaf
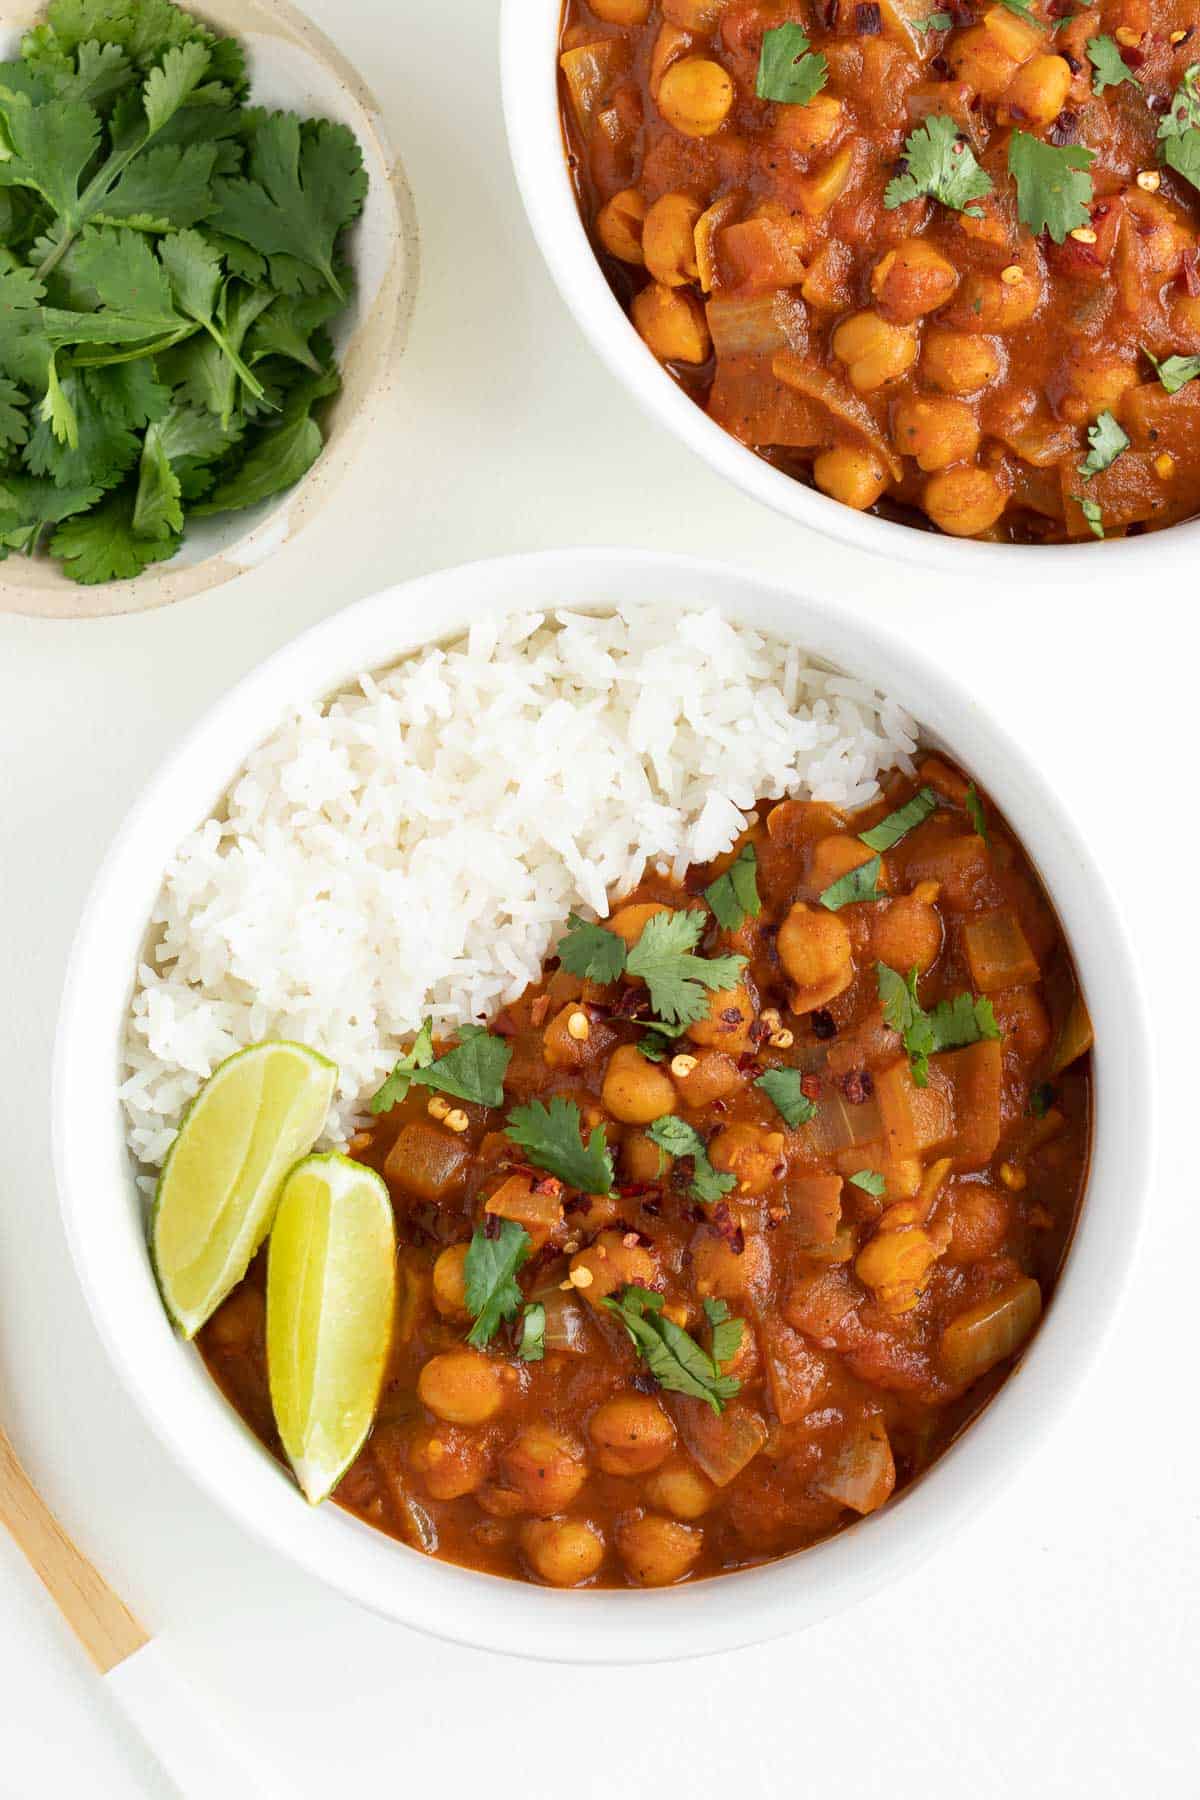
x=290, y=323
x=934, y=21
x=677, y=1138
x=1106, y=441
x=1179, y=129
x=552, y=1138
x=306, y=183
x=1111, y=69
x=963, y=1020
x=950, y=1025
x=734, y=894
x=1175, y=372
x=282, y=454
x=898, y=824
x=419, y=1055
x=76, y=440
x=870, y=1181
x=676, y=1360
x=592, y=951
x=52, y=145
x=857, y=884
x=490, y=1272
x=157, y=507
x=942, y=165
x=194, y=272
x=976, y=813
x=1054, y=189
x=784, y=1089
x=727, y=1333
x=28, y=503
x=1041, y=1099
x=103, y=546
x=531, y=1345
x=1023, y=10
x=167, y=189
x=678, y=980
x=473, y=1071
x=1092, y=513
x=788, y=70
x=652, y=1048
x=14, y=416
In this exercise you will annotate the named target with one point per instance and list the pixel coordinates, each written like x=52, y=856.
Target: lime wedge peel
x=258, y=1114
x=331, y=1292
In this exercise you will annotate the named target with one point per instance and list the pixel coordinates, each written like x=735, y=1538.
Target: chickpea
x=714, y=1077
x=450, y=1282
x=749, y=1153
x=546, y=1466
x=636, y=1091
x=631, y=1435
x=641, y=1158
x=855, y=477
x=720, y=1272
x=958, y=362
x=619, y=226
x=977, y=58
x=461, y=1386
x=562, y=1552
x=450, y=1461
x=669, y=239
x=671, y=323
x=1095, y=386
x=658, y=1551
x=913, y=279
x=1018, y=38
x=681, y=1489
x=1037, y=92
x=1185, y=314
x=808, y=128
x=980, y=1223
x=895, y=1265
x=613, y=1264
x=814, y=948
x=834, y=856
x=907, y=934
x=937, y=432
x=629, y=922
x=964, y=501
x=999, y=305
x=622, y=12
x=874, y=350
x=693, y=15
x=695, y=96
x=727, y=1023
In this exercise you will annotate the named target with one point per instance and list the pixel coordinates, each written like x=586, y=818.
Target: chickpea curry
x=940, y=263
x=722, y=1231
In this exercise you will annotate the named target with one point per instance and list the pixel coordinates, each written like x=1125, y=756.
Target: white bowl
x=169, y=1382
x=529, y=31
x=294, y=66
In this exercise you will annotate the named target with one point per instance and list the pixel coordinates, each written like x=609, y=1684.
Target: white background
x=1050, y=1651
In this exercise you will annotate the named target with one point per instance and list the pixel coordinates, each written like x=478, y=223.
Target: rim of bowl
x=102, y=1212
x=529, y=83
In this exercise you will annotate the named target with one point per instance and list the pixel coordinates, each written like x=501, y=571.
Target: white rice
x=414, y=846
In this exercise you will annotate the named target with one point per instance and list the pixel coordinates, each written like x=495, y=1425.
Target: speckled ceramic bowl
x=292, y=65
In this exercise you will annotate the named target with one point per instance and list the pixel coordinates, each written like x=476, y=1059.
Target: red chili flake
x=652, y=1207
x=576, y=1203
x=939, y=66
x=1073, y=63
x=810, y=1087
x=724, y=1225
x=1190, y=272
x=731, y=1015
x=491, y=1225
x=858, y=1086
x=823, y=1024
x=746, y=1061
x=868, y=20
x=643, y=1382
x=629, y=1003
x=633, y=1190
x=758, y=1032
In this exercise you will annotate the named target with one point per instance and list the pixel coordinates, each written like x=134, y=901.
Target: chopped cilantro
x=1054, y=188
x=934, y=21
x=783, y=1088
x=858, y=884
x=1104, y=54
x=1175, y=371
x=734, y=894
x=1041, y=1099
x=396, y=1087
x=675, y=1360
x=727, y=1333
x=1106, y=440
x=474, y=1070
x=676, y=978
x=678, y=1138
x=652, y=1048
x=976, y=813
x=592, y=951
x=490, y=1273
x=531, y=1345
x=941, y=164
x=1023, y=10
x=898, y=824
x=1094, y=516
x=552, y=1138
x=1179, y=132
x=788, y=70
x=870, y=1181
x=967, y=1019
x=951, y=1025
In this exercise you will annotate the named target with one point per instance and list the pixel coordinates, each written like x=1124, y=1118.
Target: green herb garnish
x=1106, y=441
x=1041, y=1099
x=1174, y=372
x=1023, y=10
x=857, y=884
x=870, y=1181
x=727, y=1333
x=942, y=165
x=652, y=1048
x=680, y=1139
x=679, y=982
x=935, y=21
x=592, y=951
x=951, y=1025
x=784, y=1089
x=976, y=814
x=1179, y=132
x=734, y=894
x=676, y=1360
x=1104, y=54
x=788, y=69
x=490, y=1270
x=395, y=1088
x=1054, y=188
x=898, y=824
x=531, y=1345
x=552, y=1138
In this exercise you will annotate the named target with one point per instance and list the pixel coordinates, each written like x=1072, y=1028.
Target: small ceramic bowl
x=292, y=66
x=167, y=1378
x=529, y=32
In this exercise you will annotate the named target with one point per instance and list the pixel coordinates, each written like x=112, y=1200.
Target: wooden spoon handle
x=106, y=1628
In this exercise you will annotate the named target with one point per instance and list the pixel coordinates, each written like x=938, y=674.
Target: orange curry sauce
x=932, y=364
x=874, y=1323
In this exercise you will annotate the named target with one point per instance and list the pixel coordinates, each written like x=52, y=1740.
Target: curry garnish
x=951, y=1025
x=1106, y=441
x=898, y=824
x=1174, y=372
x=1111, y=69
x=733, y=896
x=497, y=1250
x=727, y=1333
x=676, y=1360
x=531, y=1343
x=1054, y=188
x=1092, y=512
x=976, y=813
x=857, y=884
x=939, y=163
x=677, y=1138
x=870, y=1181
x=592, y=951
x=552, y=1138
x=677, y=979
x=788, y=69
x=395, y=1088
x=785, y=1090
x=1179, y=132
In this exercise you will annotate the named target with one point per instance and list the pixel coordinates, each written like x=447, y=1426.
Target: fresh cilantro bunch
x=170, y=262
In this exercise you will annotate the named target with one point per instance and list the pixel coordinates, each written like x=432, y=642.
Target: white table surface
x=1051, y=1650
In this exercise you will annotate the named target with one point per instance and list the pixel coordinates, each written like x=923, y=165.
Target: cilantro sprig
x=473, y=1070
x=870, y=1181
x=727, y=1333
x=552, y=1138
x=898, y=824
x=592, y=951
x=951, y=1025
x=676, y=1360
x=942, y=165
x=1179, y=130
x=663, y=958
x=490, y=1278
x=1174, y=372
x=977, y=814
x=1111, y=69
x=1054, y=188
x=1106, y=441
x=531, y=1345
x=734, y=895
x=785, y=1090
x=857, y=884
x=678, y=1138
x=789, y=70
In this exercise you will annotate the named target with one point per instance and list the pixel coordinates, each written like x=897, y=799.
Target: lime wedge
x=331, y=1291
x=259, y=1113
